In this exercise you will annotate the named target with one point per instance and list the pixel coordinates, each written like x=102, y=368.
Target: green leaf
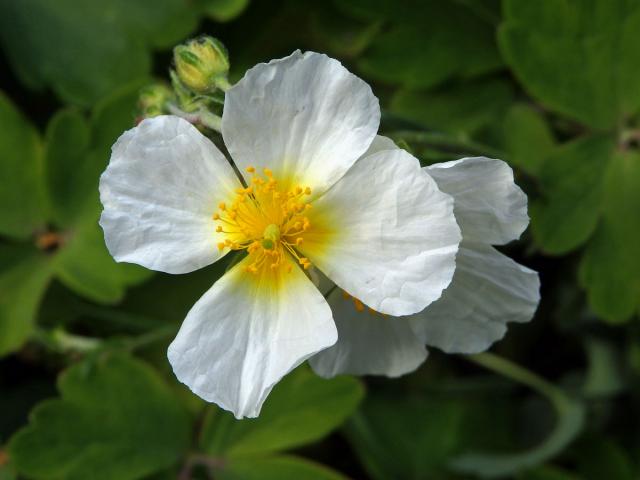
x=605, y=373
x=610, y=268
x=406, y=437
x=21, y=195
x=571, y=179
x=341, y=35
x=429, y=42
x=600, y=457
x=76, y=157
x=222, y=10
x=6, y=473
x=85, y=266
x=71, y=178
x=547, y=473
x=301, y=409
x=277, y=467
x=528, y=138
x=24, y=276
x=115, y=420
x=85, y=50
x=461, y=109
x=579, y=58
x=570, y=419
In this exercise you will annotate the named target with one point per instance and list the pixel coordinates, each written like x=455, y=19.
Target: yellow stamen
x=265, y=219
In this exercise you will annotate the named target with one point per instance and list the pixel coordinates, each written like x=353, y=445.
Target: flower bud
x=201, y=64
x=153, y=100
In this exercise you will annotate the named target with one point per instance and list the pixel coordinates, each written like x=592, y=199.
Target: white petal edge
x=305, y=117
x=159, y=191
x=395, y=234
x=489, y=206
x=487, y=291
x=241, y=338
x=368, y=343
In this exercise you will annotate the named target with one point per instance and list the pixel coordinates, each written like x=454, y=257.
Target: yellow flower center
x=267, y=219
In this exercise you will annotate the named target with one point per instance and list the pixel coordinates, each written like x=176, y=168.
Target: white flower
x=298, y=129
x=487, y=291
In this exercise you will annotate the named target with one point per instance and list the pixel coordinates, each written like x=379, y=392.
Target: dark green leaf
x=600, y=458
x=571, y=179
x=580, y=58
x=71, y=178
x=547, y=473
x=24, y=276
x=222, y=10
x=302, y=408
x=610, y=268
x=21, y=195
x=278, y=467
x=115, y=420
x=462, y=109
x=408, y=438
x=429, y=42
x=527, y=137
x=85, y=266
x=85, y=50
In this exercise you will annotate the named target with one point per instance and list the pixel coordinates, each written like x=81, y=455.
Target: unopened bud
x=202, y=64
x=153, y=100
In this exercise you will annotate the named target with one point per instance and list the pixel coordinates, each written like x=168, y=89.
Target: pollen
x=267, y=220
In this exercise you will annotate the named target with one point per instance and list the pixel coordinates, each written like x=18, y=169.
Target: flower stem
x=223, y=84
x=570, y=415
x=515, y=372
x=202, y=117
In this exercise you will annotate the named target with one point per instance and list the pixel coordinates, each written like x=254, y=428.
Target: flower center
x=267, y=220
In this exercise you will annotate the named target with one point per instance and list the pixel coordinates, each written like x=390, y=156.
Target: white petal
x=488, y=290
x=380, y=144
x=368, y=343
x=304, y=116
x=385, y=234
x=245, y=334
x=489, y=206
x=159, y=192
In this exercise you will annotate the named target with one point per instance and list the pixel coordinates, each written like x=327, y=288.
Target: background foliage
x=553, y=87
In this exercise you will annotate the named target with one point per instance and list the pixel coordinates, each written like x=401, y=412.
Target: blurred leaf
x=580, y=58
x=340, y=35
x=85, y=50
x=277, y=467
x=85, y=266
x=21, y=195
x=301, y=408
x=462, y=109
x=408, y=438
x=70, y=177
x=571, y=180
x=111, y=117
x=115, y=419
x=19, y=399
x=600, y=458
x=24, y=276
x=528, y=138
x=605, y=376
x=570, y=417
x=6, y=473
x=610, y=268
x=76, y=156
x=547, y=473
x=429, y=43
x=222, y=10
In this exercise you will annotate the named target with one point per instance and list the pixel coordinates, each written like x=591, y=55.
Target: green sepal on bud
x=202, y=64
x=153, y=100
